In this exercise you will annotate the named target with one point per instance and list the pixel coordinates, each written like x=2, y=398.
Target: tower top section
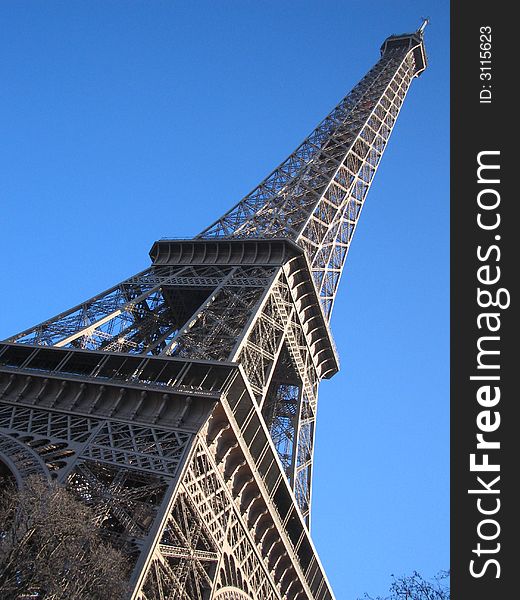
x=314, y=197
x=410, y=41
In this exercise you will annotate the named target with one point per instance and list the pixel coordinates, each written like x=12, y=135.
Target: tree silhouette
x=51, y=547
x=415, y=587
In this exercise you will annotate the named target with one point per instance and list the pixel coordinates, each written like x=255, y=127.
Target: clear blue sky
x=123, y=121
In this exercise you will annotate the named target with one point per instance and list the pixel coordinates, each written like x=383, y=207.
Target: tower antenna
x=425, y=21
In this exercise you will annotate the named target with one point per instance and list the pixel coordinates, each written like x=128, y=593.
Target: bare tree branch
x=415, y=587
x=51, y=548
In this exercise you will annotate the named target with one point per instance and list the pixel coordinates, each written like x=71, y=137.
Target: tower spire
x=425, y=21
x=316, y=195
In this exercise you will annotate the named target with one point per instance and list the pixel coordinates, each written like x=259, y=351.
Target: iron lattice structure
x=181, y=403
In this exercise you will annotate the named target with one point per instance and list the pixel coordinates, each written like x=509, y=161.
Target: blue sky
x=123, y=121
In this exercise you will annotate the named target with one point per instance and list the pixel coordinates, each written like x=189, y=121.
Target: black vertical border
x=477, y=127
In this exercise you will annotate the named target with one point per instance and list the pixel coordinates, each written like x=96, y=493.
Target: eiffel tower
x=181, y=403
